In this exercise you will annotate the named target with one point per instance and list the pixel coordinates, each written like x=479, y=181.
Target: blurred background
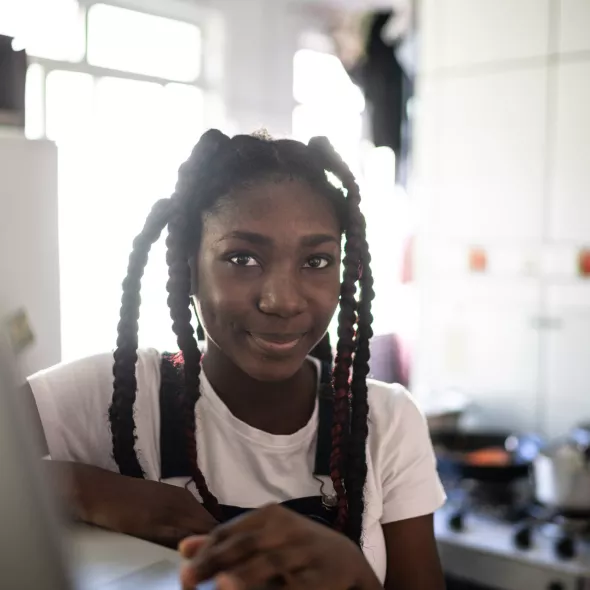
x=466, y=122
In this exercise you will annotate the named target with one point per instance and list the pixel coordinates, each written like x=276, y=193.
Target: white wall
x=502, y=162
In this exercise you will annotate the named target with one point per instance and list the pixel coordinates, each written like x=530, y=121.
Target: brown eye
x=243, y=260
x=318, y=262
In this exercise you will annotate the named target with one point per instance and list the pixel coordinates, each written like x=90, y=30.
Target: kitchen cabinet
x=569, y=205
x=483, y=341
x=574, y=16
x=502, y=169
x=465, y=33
x=565, y=372
x=479, y=193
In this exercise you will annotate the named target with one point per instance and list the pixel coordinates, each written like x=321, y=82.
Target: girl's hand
x=274, y=547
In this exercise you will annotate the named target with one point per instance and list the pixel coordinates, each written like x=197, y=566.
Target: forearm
x=78, y=487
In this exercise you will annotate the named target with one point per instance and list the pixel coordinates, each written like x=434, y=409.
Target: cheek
x=220, y=300
x=328, y=295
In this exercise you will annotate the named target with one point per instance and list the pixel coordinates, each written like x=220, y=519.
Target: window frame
x=209, y=81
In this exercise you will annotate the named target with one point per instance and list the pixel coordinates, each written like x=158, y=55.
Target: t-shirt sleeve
x=73, y=400
x=410, y=483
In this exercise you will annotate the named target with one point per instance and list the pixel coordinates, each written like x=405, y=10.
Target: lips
x=273, y=343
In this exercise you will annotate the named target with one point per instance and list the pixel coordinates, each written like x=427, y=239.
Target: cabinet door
x=569, y=204
x=490, y=157
x=574, y=24
x=469, y=33
x=565, y=369
x=478, y=337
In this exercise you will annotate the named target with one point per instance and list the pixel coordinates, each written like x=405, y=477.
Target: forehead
x=280, y=209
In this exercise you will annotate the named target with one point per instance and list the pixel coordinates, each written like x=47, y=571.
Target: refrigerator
x=29, y=245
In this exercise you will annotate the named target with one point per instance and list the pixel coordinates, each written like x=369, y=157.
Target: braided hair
x=217, y=165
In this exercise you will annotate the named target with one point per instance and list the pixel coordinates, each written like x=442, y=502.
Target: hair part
x=216, y=166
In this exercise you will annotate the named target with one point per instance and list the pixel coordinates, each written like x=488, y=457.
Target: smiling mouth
x=276, y=343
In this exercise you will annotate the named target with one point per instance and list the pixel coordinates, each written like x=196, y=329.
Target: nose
x=281, y=294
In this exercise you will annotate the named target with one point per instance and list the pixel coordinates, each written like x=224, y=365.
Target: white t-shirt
x=244, y=466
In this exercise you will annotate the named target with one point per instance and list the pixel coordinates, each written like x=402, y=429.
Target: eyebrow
x=310, y=241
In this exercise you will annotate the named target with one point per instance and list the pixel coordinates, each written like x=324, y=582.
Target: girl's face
x=267, y=276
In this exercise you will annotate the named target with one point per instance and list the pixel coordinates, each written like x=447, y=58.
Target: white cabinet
x=569, y=212
x=472, y=32
x=565, y=372
x=574, y=20
x=479, y=338
x=490, y=156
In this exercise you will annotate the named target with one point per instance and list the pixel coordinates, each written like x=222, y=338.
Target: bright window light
x=131, y=41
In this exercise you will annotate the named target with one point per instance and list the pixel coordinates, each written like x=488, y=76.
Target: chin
x=271, y=369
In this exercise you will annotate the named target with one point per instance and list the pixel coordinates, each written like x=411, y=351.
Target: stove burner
x=523, y=537
x=564, y=531
x=497, y=501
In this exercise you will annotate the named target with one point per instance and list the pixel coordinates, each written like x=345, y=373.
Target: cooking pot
x=562, y=474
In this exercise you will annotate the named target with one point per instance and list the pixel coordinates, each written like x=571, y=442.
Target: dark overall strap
x=326, y=412
x=173, y=459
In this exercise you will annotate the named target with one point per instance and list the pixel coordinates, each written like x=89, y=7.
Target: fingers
x=221, y=556
x=190, y=546
x=220, y=582
x=256, y=519
x=256, y=570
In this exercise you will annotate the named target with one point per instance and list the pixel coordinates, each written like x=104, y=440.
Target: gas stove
x=483, y=549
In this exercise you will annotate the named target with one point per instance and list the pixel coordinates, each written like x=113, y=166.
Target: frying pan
x=452, y=447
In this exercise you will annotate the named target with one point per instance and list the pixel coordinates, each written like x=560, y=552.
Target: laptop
x=38, y=549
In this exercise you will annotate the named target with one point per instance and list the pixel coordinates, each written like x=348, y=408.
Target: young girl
x=298, y=471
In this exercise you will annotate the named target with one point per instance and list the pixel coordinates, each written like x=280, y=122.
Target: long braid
x=341, y=380
x=125, y=382
x=179, y=290
x=356, y=463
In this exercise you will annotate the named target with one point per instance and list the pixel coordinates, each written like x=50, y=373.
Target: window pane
x=68, y=105
x=52, y=29
x=11, y=17
x=182, y=126
x=136, y=42
x=34, y=98
x=320, y=78
x=110, y=176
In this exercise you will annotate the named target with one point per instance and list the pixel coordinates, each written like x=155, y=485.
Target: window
x=124, y=117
